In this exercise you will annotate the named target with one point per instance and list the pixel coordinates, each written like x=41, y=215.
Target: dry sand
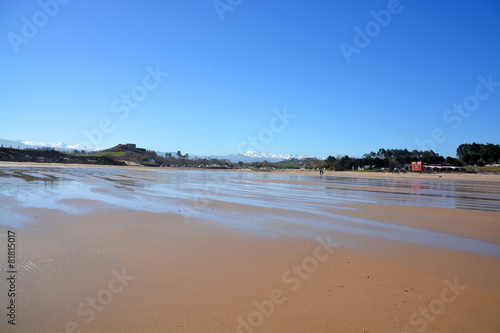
x=153, y=272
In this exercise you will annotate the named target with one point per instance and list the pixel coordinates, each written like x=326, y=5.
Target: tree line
x=467, y=154
x=477, y=153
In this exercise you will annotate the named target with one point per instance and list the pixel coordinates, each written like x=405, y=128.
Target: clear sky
x=345, y=77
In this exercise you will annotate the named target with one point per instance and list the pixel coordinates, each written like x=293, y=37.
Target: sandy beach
x=107, y=249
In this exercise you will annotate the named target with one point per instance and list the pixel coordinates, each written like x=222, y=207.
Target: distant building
x=131, y=146
x=416, y=166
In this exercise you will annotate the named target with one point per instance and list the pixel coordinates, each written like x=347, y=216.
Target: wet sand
x=148, y=250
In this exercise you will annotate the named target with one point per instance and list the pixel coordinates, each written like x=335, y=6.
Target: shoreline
x=354, y=174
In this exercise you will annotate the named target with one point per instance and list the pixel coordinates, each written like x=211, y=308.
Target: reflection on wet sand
x=295, y=200
x=240, y=187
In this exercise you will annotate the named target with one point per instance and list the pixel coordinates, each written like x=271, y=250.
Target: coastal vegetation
x=473, y=154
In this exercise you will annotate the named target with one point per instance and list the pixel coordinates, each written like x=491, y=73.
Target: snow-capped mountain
x=246, y=157
x=254, y=156
x=61, y=146
x=12, y=144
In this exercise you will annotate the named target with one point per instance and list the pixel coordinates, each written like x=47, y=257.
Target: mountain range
x=246, y=157
x=22, y=144
x=254, y=156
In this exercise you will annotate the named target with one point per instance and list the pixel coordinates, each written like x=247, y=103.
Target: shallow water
x=193, y=193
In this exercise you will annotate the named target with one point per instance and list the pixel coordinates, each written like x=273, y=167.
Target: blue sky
x=66, y=71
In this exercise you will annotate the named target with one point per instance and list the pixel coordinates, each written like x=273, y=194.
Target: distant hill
x=132, y=154
x=122, y=154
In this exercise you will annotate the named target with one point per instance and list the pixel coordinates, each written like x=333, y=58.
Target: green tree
x=330, y=163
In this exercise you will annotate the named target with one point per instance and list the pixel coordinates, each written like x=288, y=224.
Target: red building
x=416, y=166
